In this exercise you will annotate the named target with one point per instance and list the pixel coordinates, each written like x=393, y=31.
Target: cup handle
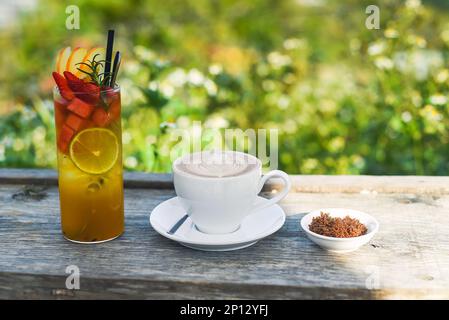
x=278, y=197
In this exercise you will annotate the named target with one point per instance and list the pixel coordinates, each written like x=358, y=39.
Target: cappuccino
x=218, y=189
x=217, y=164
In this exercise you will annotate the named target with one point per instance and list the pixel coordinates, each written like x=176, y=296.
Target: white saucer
x=254, y=227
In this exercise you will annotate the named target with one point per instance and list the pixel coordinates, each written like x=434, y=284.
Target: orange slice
x=61, y=60
x=94, y=150
x=76, y=57
x=99, y=53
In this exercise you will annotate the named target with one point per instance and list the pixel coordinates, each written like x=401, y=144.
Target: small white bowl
x=341, y=245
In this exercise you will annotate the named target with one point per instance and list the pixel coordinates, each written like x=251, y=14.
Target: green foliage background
x=347, y=100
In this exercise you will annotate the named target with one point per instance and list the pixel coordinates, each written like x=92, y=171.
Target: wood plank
x=409, y=254
x=301, y=183
x=49, y=177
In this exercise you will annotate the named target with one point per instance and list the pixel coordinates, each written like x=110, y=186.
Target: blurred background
x=346, y=100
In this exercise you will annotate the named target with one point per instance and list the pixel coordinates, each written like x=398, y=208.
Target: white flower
x=278, y=60
x=195, y=77
x=177, y=78
x=216, y=122
x=131, y=162
x=126, y=137
x=406, y=116
x=438, y=99
x=153, y=85
x=376, y=48
x=167, y=89
x=211, y=87
x=293, y=43
x=419, y=62
x=183, y=122
x=413, y=4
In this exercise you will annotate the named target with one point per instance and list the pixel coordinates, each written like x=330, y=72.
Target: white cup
x=218, y=205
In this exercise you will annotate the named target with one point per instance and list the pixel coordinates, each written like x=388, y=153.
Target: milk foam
x=216, y=164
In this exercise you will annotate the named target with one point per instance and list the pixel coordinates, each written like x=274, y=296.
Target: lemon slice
x=94, y=150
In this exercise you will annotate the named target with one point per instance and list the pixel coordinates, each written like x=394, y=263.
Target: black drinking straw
x=115, y=67
x=109, y=47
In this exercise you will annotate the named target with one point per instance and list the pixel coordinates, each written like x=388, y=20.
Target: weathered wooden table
x=408, y=258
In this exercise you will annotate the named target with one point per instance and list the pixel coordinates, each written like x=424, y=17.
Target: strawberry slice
x=86, y=91
x=63, y=86
x=92, y=93
x=75, y=83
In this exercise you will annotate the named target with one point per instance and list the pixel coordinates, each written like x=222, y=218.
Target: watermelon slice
x=60, y=114
x=80, y=108
x=114, y=111
x=75, y=122
x=65, y=136
x=101, y=118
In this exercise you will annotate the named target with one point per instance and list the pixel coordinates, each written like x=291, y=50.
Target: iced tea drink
x=89, y=145
x=90, y=167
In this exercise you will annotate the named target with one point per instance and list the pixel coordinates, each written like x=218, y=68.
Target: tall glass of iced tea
x=89, y=144
x=89, y=150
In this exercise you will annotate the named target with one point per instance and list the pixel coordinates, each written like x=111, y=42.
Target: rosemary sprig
x=95, y=66
x=99, y=78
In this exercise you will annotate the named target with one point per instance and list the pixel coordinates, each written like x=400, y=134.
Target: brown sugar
x=346, y=227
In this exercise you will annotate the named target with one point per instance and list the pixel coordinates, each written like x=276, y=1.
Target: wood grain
x=408, y=256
